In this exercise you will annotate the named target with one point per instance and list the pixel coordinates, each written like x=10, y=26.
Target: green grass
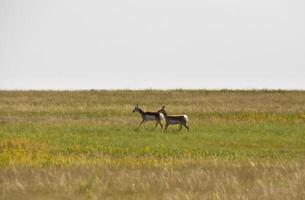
x=83, y=145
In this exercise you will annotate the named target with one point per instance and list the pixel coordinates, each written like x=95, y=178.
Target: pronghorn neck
x=140, y=111
x=164, y=113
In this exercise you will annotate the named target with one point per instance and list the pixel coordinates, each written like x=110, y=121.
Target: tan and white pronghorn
x=174, y=119
x=149, y=116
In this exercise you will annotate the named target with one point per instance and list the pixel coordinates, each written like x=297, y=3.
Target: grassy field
x=83, y=145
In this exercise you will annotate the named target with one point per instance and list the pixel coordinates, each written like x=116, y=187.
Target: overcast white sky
x=93, y=44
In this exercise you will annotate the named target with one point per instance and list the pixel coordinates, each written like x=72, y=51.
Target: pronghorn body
x=174, y=119
x=149, y=116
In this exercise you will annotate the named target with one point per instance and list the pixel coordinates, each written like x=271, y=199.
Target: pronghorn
x=174, y=119
x=149, y=116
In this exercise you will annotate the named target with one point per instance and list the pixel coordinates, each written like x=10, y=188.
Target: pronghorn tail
x=162, y=116
x=186, y=118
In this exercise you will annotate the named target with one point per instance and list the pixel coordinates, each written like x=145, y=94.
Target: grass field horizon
x=242, y=144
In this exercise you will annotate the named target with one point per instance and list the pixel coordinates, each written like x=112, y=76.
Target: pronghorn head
x=162, y=109
x=136, y=108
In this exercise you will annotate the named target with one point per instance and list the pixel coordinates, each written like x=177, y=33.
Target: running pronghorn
x=149, y=116
x=174, y=119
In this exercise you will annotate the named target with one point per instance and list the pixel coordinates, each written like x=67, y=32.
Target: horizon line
x=151, y=89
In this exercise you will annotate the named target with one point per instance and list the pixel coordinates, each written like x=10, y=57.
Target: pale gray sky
x=94, y=44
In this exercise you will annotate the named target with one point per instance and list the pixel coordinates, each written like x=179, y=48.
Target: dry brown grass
x=213, y=180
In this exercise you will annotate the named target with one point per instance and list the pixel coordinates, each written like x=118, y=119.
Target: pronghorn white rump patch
x=162, y=116
x=186, y=118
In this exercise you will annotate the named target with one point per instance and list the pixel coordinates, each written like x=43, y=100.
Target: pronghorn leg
x=180, y=127
x=188, y=128
x=166, y=125
x=143, y=121
x=160, y=124
x=157, y=123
